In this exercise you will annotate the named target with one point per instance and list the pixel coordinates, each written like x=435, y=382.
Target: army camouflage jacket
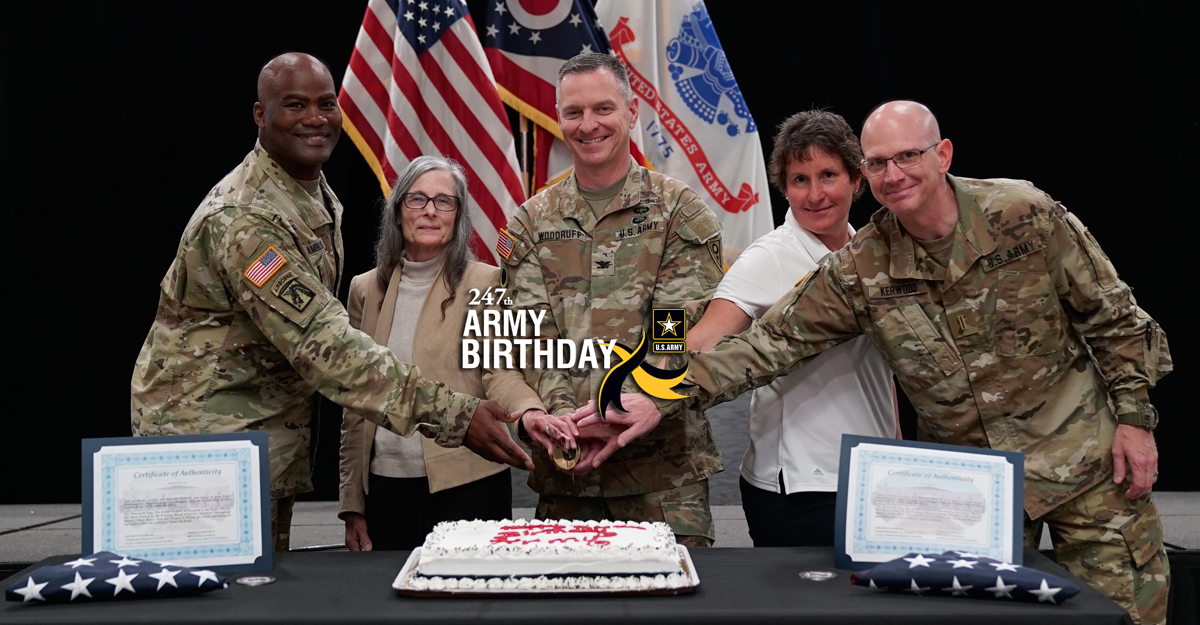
x=655, y=246
x=248, y=328
x=1028, y=341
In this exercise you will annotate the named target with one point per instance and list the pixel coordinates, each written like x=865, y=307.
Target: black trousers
x=400, y=511
x=803, y=519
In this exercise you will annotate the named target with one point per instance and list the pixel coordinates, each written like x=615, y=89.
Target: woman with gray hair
x=415, y=302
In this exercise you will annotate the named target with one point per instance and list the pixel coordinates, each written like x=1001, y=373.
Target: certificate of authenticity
x=194, y=503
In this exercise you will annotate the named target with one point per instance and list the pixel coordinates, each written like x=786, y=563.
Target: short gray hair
x=593, y=62
x=389, y=250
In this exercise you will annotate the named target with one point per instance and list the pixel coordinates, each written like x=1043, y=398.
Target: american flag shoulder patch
x=265, y=266
x=504, y=244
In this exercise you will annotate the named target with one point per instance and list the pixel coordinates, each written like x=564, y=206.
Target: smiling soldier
x=1008, y=327
x=597, y=253
x=248, y=326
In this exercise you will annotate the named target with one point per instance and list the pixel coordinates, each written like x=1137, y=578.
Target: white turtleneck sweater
x=394, y=455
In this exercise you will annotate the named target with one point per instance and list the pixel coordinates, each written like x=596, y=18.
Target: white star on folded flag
x=65, y=583
x=1045, y=592
x=32, y=591
x=920, y=560
x=121, y=582
x=203, y=575
x=166, y=577
x=952, y=574
x=1001, y=589
x=957, y=589
x=79, y=586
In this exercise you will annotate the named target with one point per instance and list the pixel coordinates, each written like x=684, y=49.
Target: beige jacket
x=436, y=352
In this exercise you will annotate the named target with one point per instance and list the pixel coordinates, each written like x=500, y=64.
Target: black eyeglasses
x=909, y=158
x=443, y=203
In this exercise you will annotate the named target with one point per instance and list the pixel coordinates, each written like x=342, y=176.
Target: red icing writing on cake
x=557, y=533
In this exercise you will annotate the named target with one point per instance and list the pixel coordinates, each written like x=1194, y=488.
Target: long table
x=739, y=586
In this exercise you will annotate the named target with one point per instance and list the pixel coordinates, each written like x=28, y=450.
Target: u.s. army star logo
x=668, y=325
x=289, y=289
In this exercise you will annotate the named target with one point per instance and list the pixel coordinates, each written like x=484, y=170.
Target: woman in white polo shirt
x=789, y=473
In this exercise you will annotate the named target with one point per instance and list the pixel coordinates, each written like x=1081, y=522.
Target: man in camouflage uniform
x=1008, y=328
x=597, y=252
x=248, y=326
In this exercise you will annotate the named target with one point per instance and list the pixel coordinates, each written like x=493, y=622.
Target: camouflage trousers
x=1113, y=544
x=685, y=509
x=281, y=522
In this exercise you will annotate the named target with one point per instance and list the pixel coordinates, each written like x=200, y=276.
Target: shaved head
x=903, y=116
x=297, y=113
x=273, y=73
x=904, y=137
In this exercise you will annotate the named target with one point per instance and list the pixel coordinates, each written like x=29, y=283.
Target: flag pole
x=524, y=125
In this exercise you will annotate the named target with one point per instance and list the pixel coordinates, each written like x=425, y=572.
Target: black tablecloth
x=740, y=586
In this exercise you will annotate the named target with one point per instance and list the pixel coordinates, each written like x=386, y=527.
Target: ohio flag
x=695, y=125
x=526, y=43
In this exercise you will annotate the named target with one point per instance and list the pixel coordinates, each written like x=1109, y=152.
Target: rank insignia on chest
x=963, y=323
x=289, y=289
x=504, y=244
x=265, y=266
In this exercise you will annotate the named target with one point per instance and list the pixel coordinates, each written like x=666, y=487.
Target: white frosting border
x=409, y=581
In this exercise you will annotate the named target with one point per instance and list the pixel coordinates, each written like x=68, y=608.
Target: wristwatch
x=1145, y=417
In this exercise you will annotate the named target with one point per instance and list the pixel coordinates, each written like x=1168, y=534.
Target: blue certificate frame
x=246, y=542
x=1001, y=499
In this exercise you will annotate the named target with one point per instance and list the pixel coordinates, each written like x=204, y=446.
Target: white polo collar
x=815, y=248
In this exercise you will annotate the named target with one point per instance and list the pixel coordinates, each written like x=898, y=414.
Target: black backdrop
x=118, y=119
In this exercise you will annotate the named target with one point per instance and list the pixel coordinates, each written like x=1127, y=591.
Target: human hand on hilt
x=550, y=432
x=601, y=438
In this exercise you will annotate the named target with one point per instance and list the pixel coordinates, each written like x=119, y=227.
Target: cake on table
x=549, y=555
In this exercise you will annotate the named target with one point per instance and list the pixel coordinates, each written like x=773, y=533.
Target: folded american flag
x=105, y=575
x=963, y=574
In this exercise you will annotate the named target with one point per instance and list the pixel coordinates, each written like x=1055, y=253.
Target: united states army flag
x=695, y=125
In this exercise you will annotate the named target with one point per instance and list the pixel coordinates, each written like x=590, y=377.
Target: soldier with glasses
x=1008, y=327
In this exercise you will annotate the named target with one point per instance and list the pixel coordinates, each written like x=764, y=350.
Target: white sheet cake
x=530, y=548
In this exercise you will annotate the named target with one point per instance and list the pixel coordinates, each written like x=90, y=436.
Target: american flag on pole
x=419, y=83
x=527, y=42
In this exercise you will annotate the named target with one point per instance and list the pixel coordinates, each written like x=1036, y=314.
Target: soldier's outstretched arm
x=814, y=316
x=272, y=281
